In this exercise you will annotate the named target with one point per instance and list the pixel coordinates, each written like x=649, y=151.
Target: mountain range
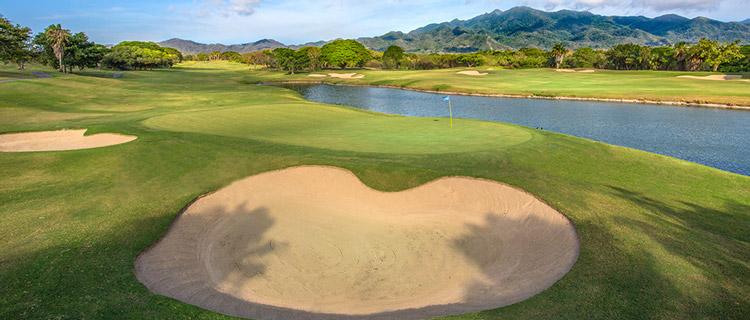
x=525, y=27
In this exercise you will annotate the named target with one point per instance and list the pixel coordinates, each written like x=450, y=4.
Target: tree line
x=705, y=55
x=336, y=54
x=65, y=51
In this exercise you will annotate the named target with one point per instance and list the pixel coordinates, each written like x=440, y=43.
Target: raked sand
x=58, y=140
x=472, y=73
x=715, y=77
x=315, y=243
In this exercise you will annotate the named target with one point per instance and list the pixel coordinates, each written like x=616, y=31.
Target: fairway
x=659, y=238
x=603, y=84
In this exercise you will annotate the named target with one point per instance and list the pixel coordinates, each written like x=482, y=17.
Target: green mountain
x=527, y=27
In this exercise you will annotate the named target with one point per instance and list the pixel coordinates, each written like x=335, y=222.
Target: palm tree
x=559, y=52
x=58, y=37
x=681, y=50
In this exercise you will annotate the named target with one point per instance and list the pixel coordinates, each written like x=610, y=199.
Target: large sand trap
x=716, y=77
x=346, y=75
x=472, y=73
x=315, y=243
x=317, y=75
x=58, y=140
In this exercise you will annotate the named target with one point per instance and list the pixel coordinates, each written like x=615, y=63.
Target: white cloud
x=243, y=7
x=225, y=8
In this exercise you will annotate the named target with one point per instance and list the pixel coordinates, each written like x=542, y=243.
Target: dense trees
x=290, y=60
x=344, y=54
x=231, y=56
x=134, y=55
x=82, y=53
x=586, y=58
x=60, y=49
x=715, y=54
x=312, y=57
x=393, y=57
x=14, y=43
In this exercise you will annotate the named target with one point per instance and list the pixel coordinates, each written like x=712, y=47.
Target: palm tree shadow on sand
x=209, y=278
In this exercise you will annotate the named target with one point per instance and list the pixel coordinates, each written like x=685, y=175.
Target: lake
x=714, y=137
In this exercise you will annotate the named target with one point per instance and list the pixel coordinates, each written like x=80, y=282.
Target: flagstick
x=450, y=111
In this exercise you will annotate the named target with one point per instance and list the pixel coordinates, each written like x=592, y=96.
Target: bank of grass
x=660, y=238
x=607, y=84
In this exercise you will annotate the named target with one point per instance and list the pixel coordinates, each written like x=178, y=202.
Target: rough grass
x=640, y=85
x=661, y=238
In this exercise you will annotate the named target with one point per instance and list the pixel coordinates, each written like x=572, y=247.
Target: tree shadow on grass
x=731, y=221
x=708, y=249
x=608, y=281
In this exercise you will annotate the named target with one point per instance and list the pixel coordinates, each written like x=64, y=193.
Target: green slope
x=660, y=238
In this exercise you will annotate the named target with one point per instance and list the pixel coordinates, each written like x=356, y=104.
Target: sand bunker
x=576, y=71
x=317, y=75
x=716, y=77
x=58, y=140
x=346, y=75
x=472, y=73
x=315, y=243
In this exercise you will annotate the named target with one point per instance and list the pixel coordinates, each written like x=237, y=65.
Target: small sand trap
x=59, y=140
x=317, y=75
x=576, y=71
x=346, y=75
x=472, y=73
x=316, y=243
x=716, y=77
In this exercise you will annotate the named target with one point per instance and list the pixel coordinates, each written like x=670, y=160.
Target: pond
x=711, y=136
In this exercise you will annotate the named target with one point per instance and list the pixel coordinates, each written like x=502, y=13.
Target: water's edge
x=713, y=140
x=521, y=96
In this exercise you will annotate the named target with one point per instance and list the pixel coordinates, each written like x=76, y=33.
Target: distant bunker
x=59, y=140
x=316, y=243
x=472, y=73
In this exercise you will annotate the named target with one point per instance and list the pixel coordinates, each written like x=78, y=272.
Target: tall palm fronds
x=58, y=37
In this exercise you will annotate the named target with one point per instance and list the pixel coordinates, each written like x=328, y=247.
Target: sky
x=296, y=21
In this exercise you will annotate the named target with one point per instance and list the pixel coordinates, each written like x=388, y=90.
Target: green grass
x=660, y=238
x=328, y=127
x=641, y=85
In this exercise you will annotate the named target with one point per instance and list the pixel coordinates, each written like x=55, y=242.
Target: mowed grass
x=610, y=84
x=328, y=127
x=660, y=238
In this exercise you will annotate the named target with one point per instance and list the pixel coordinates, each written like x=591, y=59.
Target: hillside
x=526, y=27
x=192, y=47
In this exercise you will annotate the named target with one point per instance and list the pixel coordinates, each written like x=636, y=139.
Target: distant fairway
x=610, y=84
x=660, y=238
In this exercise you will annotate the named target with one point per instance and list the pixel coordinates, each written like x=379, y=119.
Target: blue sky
x=295, y=21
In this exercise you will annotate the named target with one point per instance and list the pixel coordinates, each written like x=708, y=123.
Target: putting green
x=337, y=128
